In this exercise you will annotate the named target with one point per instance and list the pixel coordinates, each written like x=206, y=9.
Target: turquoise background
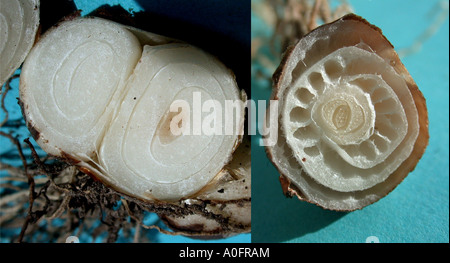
x=418, y=209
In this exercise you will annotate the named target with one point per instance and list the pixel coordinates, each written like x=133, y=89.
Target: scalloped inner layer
x=348, y=123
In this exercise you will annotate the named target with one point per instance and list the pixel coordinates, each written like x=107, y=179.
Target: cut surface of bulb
x=96, y=94
x=140, y=144
x=19, y=22
x=72, y=83
x=352, y=122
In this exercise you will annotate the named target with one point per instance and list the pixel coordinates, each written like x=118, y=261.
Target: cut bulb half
x=19, y=23
x=100, y=95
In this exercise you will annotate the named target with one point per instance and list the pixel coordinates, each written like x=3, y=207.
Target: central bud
x=340, y=113
x=341, y=116
x=345, y=115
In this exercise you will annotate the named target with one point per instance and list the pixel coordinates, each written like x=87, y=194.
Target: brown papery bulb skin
x=352, y=123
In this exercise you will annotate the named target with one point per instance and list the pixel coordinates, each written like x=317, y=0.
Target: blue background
x=418, y=209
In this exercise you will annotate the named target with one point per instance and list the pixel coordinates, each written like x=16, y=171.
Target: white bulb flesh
x=140, y=146
x=94, y=95
x=358, y=116
x=19, y=22
x=72, y=83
